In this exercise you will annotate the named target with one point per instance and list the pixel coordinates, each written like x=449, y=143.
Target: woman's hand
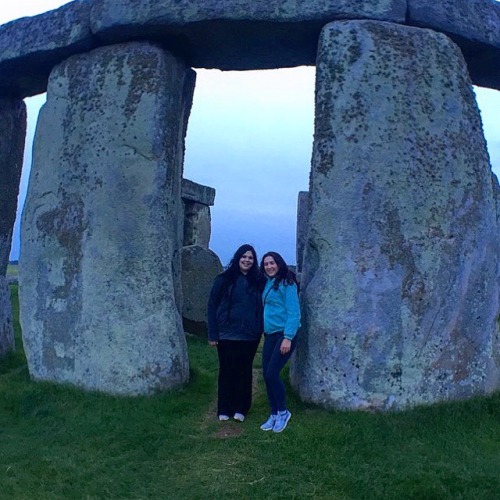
x=285, y=346
x=212, y=343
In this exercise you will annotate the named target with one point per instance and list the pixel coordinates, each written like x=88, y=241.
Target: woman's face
x=270, y=266
x=246, y=262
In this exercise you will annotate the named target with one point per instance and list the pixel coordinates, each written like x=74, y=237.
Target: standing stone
x=200, y=266
x=399, y=284
x=302, y=217
x=197, y=224
x=12, y=136
x=101, y=223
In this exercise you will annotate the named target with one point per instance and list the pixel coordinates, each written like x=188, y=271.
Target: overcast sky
x=249, y=136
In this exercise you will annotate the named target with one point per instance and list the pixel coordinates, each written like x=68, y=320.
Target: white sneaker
x=239, y=417
x=223, y=418
x=269, y=423
x=281, y=421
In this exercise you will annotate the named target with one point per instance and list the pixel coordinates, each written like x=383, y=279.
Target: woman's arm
x=292, y=306
x=213, y=304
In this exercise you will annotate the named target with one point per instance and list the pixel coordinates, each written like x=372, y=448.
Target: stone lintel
x=192, y=191
x=474, y=25
x=31, y=46
x=231, y=35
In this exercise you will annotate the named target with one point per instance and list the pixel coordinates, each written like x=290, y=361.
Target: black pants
x=235, y=376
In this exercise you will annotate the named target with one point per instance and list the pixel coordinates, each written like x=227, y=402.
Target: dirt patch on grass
x=228, y=430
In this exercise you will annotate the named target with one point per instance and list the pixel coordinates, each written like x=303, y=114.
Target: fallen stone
x=200, y=266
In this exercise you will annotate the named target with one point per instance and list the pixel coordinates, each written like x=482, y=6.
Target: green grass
x=12, y=270
x=59, y=442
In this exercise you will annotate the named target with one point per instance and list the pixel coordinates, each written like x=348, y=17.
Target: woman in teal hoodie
x=281, y=322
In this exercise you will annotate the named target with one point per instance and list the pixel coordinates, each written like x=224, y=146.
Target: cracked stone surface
x=103, y=220
x=399, y=280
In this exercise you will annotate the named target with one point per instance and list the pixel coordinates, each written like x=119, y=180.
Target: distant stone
x=197, y=224
x=400, y=288
x=473, y=24
x=30, y=47
x=192, y=191
x=7, y=343
x=200, y=266
x=302, y=217
x=99, y=238
x=12, y=134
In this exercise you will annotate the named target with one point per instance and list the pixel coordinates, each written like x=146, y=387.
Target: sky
x=250, y=137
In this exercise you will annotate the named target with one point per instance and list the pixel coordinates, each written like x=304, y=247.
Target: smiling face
x=246, y=262
x=270, y=266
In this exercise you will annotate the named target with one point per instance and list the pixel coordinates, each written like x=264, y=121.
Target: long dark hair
x=284, y=275
x=232, y=271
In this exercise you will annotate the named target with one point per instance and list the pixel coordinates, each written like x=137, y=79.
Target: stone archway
x=411, y=223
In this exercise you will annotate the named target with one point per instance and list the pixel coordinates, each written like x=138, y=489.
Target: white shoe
x=239, y=417
x=223, y=418
x=268, y=425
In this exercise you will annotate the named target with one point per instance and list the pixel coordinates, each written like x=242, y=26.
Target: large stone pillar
x=399, y=284
x=102, y=223
x=12, y=136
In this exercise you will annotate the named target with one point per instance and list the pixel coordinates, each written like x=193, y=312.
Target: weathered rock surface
x=197, y=201
x=302, y=218
x=235, y=34
x=400, y=279
x=200, y=266
x=473, y=24
x=197, y=224
x=101, y=222
x=192, y=191
x=7, y=342
x=230, y=34
x=30, y=47
x=12, y=134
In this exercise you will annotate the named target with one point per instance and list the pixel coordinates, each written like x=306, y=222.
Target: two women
x=242, y=304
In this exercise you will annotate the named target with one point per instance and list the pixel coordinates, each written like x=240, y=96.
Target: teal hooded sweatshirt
x=281, y=309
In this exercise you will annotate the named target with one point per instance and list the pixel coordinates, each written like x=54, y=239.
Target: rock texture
x=399, y=285
x=197, y=224
x=302, y=218
x=197, y=201
x=231, y=34
x=473, y=24
x=200, y=266
x=30, y=47
x=12, y=134
x=101, y=223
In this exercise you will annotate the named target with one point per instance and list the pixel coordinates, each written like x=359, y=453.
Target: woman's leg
x=225, y=403
x=243, y=396
x=267, y=353
x=272, y=374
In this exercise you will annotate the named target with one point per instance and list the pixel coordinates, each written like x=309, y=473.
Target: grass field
x=12, y=270
x=59, y=442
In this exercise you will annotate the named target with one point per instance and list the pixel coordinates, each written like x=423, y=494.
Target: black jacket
x=234, y=310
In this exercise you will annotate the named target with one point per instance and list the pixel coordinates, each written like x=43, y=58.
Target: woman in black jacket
x=235, y=327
